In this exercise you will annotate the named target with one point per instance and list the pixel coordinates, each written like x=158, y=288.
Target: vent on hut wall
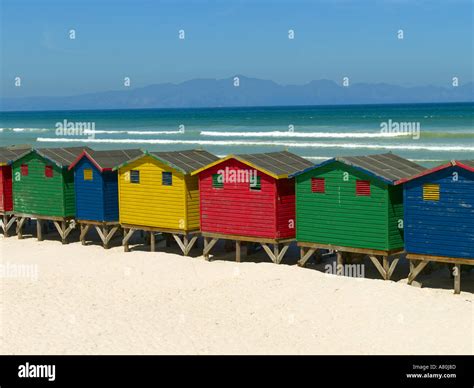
x=318, y=185
x=363, y=188
x=430, y=192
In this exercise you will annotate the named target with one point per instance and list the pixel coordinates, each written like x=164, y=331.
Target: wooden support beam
x=109, y=236
x=269, y=252
x=39, y=229
x=84, y=229
x=386, y=266
x=416, y=270
x=237, y=251
x=208, y=245
x=190, y=244
x=392, y=267
x=379, y=267
x=180, y=243
x=457, y=278
x=282, y=253
x=305, y=255
x=8, y=221
x=339, y=263
x=127, y=235
x=19, y=227
x=152, y=242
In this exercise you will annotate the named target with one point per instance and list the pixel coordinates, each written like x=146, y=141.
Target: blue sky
x=139, y=39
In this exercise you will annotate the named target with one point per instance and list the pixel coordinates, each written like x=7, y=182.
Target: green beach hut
x=43, y=188
x=353, y=205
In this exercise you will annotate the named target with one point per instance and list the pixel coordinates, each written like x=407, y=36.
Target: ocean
x=426, y=133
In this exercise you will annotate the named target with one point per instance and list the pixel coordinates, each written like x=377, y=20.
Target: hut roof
x=276, y=164
x=62, y=157
x=387, y=167
x=183, y=161
x=465, y=164
x=107, y=160
x=8, y=154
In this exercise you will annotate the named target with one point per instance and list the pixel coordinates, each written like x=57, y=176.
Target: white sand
x=90, y=301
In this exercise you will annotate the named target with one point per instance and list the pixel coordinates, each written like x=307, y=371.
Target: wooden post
x=457, y=278
x=63, y=235
x=19, y=227
x=339, y=263
x=127, y=234
x=206, y=252
x=237, y=251
x=386, y=266
x=152, y=242
x=276, y=252
x=39, y=230
x=5, y=225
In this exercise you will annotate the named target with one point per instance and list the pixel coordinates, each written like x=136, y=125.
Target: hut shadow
x=438, y=276
x=224, y=250
x=140, y=242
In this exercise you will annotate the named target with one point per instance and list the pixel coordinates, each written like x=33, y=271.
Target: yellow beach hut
x=158, y=194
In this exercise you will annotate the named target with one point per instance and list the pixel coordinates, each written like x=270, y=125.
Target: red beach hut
x=7, y=154
x=249, y=198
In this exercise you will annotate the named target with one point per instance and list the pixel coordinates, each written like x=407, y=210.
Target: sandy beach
x=86, y=300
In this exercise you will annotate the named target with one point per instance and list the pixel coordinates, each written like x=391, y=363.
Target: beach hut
x=43, y=189
x=158, y=194
x=7, y=154
x=250, y=198
x=439, y=218
x=353, y=205
x=96, y=188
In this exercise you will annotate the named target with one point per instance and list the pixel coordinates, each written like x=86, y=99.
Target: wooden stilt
x=385, y=266
x=339, y=263
x=416, y=270
x=19, y=227
x=128, y=233
x=152, y=242
x=237, y=251
x=208, y=245
x=84, y=229
x=379, y=266
x=39, y=229
x=457, y=278
x=305, y=255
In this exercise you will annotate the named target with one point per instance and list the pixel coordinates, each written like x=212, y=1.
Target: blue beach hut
x=96, y=189
x=439, y=217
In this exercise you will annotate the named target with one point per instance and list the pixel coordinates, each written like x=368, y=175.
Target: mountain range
x=200, y=93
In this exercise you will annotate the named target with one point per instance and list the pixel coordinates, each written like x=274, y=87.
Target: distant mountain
x=199, y=93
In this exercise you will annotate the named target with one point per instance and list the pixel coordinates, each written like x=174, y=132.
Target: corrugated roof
x=389, y=167
x=277, y=163
x=8, y=154
x=187, y=160
x=466, y=164
x=108, y=159
x=63, y=157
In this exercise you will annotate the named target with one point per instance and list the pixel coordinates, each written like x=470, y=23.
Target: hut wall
x=235, y=208
x=149, y=203
x=6, y=198
x=38, y=194
x=339, y=216
x=444, y=227
x=286, y=213
x=89, y=193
